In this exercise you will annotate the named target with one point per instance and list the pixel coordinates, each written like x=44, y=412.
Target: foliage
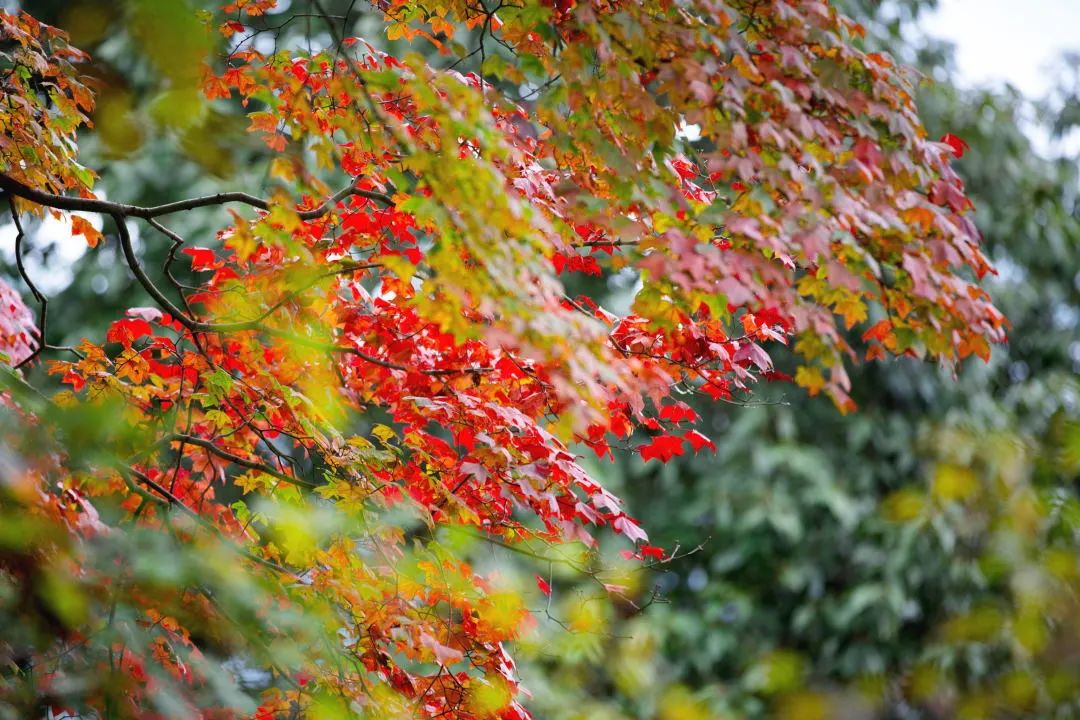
x=257, y=496
x=916, y=559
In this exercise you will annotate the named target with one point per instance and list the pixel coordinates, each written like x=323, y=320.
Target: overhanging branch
x=64, y=202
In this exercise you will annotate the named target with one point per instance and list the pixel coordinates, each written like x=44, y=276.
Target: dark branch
x=120, y=212
x=43, y=302
x=174, y=501
x=241, y=461
x=63, y=202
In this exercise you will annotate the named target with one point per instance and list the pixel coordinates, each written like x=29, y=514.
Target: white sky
x=1007, y=40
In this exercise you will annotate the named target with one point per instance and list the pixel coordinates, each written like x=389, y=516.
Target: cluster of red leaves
x=409, y=344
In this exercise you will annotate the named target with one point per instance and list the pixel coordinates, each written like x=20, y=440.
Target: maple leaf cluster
x=406, y=347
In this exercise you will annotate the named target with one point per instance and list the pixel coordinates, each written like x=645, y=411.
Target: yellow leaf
x=780, y=671
x=954, y=483
x=810, y=377
x=398, y=265
x=926, y=681
x=489, y=696
x=804, y=705
x=903, y=505
x=283, y=168
x=678, y=703
x=504, y=612
x=747, y=70
x=282, y=214
x=383, y=433
x=852, y=309
x=130, y=364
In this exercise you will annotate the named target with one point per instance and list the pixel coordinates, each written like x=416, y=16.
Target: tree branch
x=172, y=500
x=241, y=461
x=120, y=212
x=43, y=312
x=63, y=202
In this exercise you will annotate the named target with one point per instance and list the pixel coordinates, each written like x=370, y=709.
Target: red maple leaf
x=652, y=551
x=128, y=330
x=662, y=448
x=201, y=258
x=879, y=331
x=699, y=441
x=678, y=412
x=959, y=147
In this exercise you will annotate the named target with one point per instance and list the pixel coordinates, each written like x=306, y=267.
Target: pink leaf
x=630, y=529
x=149, y=314
x=444, y=654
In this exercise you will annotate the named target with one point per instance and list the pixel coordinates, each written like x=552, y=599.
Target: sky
x=1007, y=40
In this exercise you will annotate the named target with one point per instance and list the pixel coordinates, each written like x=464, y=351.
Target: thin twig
x=241, y=461
x=43, y=302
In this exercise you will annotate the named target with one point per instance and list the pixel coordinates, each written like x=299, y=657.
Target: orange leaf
x=82, y=226
x=920, y=216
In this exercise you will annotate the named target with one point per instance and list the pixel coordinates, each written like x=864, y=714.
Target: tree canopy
x=253, y=494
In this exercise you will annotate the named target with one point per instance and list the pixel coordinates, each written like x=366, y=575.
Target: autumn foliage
x=386, y=353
